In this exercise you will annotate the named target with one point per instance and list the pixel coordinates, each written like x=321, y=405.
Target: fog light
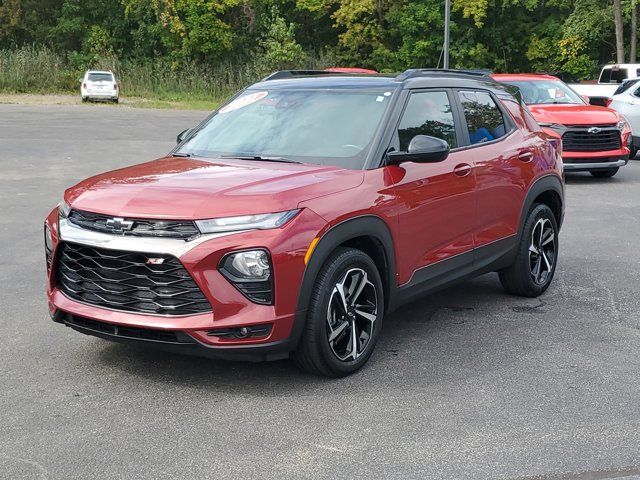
x=253, y=331
x=243, y=332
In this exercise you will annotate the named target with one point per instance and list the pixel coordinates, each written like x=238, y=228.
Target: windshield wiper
x=260, y=158
x=180, y=154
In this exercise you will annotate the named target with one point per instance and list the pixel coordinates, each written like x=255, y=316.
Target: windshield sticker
x=243, y=101
x=380, y=98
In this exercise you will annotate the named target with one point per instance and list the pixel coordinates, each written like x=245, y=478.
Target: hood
x=190, y=189
x=574, y=114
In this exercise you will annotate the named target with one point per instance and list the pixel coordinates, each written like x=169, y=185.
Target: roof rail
x=425, y=72
x=298, y=73
x=311, y=73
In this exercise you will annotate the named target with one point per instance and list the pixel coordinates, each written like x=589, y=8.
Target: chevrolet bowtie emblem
x=594, y=130
x=119, y=224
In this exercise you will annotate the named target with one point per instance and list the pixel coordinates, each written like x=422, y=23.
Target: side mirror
x=183, y=134
x=586, y=99
x=422, y=149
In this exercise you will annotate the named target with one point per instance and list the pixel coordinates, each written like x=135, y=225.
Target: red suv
x=594, y=139
x=302, y=211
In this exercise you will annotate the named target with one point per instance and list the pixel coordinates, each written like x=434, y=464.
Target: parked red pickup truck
x=594, y=139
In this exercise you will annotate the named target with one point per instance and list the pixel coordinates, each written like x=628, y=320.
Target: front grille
x=129, y=281
x=137, y=333
x=578, y=139
x=184, y=229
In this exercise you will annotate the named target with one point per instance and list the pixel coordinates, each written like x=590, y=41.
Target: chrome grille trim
x=70, y=232
x=140, y=227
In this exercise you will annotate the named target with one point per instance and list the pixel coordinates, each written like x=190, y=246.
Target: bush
x=41, y=70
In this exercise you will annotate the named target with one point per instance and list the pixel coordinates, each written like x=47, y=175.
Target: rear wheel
x=634, y=152
x=84, y=99
x=535, y=263
x=344, y=316
x=607, y=173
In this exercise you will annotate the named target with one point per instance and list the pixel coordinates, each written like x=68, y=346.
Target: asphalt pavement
x=469, y=383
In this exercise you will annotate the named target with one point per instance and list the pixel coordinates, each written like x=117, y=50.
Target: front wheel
x=607, y=173
x=535, y=263
x=344, y=316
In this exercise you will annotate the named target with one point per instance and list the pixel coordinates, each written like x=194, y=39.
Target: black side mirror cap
x=183, y=134
x=422, y=149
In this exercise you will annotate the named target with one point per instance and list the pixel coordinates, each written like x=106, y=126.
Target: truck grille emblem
x=594, y=130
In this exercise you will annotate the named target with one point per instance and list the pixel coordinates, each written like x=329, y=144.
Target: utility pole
x=447, y=14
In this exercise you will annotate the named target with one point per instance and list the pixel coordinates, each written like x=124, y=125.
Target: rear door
x=503, y=158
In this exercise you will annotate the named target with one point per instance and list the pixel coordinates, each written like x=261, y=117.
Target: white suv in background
x=626, y=101
x=99, y=85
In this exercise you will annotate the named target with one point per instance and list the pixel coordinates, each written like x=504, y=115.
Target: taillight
x=608, y=102
x=115, y=86
x=84, y=85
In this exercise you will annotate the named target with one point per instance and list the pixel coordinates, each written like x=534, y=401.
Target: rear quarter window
x=516, y=111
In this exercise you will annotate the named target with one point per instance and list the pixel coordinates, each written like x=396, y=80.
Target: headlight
x=621, y=125
x=250, y=272
x=553, y=126
x=64, y=209
x=246, y=222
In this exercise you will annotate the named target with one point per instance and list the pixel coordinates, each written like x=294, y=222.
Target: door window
x=484, y=119
x=427, y=113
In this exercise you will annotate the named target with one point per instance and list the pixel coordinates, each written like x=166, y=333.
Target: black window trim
x=392, y=134
x=506, y=115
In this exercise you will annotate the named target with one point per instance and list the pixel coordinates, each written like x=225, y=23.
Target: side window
x=484, y=119
x=427, y=113
x=636, y=93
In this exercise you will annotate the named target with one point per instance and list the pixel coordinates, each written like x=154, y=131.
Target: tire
x=115, y=100
x=608, y=173
x=320, y=354
x=634, y=152
x=530, y=274
x=84, y=99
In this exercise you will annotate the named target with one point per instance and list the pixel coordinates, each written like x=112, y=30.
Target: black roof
x=414, y=78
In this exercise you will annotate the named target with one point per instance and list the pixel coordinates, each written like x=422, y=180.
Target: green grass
x=157, y=84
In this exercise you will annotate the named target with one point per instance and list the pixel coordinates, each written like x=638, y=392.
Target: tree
x=617, y=18
x=634, y=32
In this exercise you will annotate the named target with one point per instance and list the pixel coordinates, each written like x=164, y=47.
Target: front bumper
x=177, y=342
x=230, y=308
x=570, y=165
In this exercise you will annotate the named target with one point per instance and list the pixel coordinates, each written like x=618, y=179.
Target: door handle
x=462, y=170
x=525, y=156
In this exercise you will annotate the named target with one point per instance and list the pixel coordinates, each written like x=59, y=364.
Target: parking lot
x=467, y=383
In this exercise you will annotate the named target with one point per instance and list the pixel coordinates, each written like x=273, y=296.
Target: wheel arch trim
x=547, y=183
x=349, y=229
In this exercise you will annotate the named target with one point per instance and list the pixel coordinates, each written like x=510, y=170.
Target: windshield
x=546, y=91
x=100, y=77
x=324, y=127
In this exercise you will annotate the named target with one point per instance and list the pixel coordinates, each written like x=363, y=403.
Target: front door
x=437, y=204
